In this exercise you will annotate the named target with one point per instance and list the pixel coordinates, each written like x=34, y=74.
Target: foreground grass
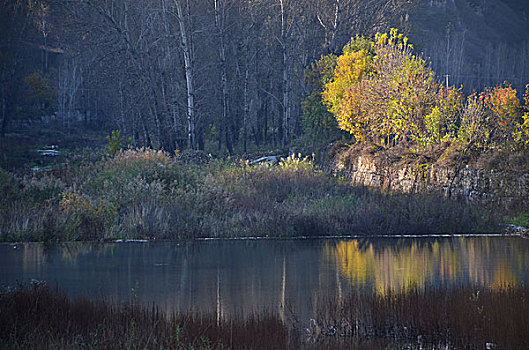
x=37, y=317
x=148, y=194
x=456, y=318
x=40, y=318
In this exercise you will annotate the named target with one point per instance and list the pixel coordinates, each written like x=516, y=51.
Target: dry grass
x=40, y=318
x=461, y=317
x=147, y=194
x=37, y=317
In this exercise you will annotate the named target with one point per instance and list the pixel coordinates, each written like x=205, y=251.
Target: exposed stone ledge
x=508, y=189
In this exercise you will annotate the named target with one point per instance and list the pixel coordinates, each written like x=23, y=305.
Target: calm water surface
x=240, y=277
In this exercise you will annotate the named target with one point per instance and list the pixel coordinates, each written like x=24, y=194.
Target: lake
x=239, y=277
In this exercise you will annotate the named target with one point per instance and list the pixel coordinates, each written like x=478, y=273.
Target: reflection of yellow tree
x=355, y=264
x=504, y=275
x=415, y=264
x=400, y=270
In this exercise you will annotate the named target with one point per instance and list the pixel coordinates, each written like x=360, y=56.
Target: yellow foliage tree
x=383, y=92
x=441, y=123
x=523, y=126
x=341, y=93
x=473, y=131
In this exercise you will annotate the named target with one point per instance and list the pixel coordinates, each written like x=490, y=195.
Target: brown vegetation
x=148, y=194
x=39, y=318
x=462, y=317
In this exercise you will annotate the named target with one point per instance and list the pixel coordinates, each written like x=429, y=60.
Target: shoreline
x=297, y=238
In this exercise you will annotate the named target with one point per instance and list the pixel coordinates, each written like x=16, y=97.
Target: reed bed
x=37, y=317
x=147, y=194
x=436, y=318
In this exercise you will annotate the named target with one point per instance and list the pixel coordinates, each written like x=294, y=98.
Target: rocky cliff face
x=510, y=190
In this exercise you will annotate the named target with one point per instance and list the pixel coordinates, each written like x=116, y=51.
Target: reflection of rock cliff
x=510, y=189
x=450, y=261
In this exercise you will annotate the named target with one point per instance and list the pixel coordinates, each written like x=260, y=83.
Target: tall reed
x=37, y=317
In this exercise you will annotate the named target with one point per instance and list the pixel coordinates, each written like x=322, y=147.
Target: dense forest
x=226, y=75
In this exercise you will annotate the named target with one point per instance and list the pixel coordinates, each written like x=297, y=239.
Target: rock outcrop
x=509, y=189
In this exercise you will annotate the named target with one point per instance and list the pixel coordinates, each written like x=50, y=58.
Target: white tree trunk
x=286, y=76
x=186, y=48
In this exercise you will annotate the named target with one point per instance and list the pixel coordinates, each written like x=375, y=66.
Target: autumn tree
x=523, y=133
x=472, y=132
x=342, y=93
x=504, y=109
x=442, y=123
x=381, y=91
x=40, y=98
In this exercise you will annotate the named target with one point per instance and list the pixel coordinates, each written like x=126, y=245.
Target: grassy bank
x=150, y=194
x=465, y=317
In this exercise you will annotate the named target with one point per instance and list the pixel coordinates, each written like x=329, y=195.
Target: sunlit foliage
x=441, y=123
x=523, y=132
x=381, y=92
x=473, y=129
x=492, y=119
x=343, y=94
x=504, y=109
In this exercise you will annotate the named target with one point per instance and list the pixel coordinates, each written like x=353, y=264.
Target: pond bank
x=147, y=194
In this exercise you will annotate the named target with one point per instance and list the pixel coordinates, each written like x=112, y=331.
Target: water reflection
x=240, y=277
x=72, y=251
x=398, y=264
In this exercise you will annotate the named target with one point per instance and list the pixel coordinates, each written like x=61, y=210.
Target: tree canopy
x=382, y=92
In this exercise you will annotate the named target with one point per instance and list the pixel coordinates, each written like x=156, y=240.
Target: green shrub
x=520, y=220
x=129, y=172
x=116, y=143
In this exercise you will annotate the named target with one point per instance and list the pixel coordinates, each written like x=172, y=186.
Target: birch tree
x=187, y=42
